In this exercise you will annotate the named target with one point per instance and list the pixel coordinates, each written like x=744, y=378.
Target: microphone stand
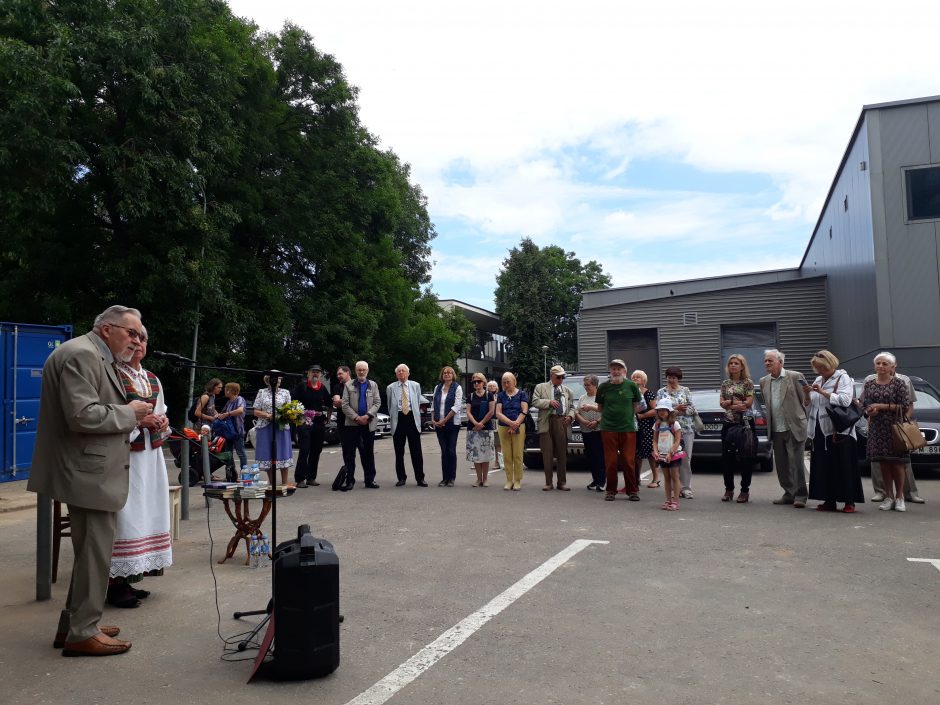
x=273, y=383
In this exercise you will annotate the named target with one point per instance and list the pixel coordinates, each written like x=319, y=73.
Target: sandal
x=653, y=485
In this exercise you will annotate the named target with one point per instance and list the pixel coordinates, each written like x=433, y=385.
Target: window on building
x=923, y=193
x=749, y=340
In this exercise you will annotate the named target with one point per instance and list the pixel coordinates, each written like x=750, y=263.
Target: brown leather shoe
x=98, y=645
x=107, y=630
x=563, y=488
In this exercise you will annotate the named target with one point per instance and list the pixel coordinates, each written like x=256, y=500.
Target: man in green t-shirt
x=618, y=400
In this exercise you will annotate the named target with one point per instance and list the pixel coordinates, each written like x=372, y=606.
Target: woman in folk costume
x=142, y=544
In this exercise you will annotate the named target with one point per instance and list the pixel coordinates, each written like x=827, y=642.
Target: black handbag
x=844, y=417
x=741, y=439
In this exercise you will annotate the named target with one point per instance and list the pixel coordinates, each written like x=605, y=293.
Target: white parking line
x=463, y=630
x=935, y=562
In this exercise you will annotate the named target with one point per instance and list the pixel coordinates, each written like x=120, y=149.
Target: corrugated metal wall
x=798, y=308
x=842, y=250
x=911, y=248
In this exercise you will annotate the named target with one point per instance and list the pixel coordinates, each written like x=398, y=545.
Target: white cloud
x=518, y=93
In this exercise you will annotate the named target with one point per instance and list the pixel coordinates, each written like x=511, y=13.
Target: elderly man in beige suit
x=82, y=459
x=786, y=396
x=555, y=403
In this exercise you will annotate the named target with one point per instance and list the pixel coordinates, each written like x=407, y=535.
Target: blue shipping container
x=24, y=348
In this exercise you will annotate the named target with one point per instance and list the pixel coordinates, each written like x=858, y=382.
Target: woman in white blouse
x=447, y=405
x=833, y=471
x=265, y=411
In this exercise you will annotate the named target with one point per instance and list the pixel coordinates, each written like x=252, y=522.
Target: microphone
x=171, y=357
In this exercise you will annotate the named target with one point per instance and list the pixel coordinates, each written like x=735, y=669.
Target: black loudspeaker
x=306, y=609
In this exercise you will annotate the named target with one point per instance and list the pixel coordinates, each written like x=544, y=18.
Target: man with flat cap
x=318, y=402
x=555, y=403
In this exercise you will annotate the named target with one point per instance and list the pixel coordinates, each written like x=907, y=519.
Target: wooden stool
x=176, y=493
x=61, y=526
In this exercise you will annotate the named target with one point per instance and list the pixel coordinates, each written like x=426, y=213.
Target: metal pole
x=545, y=361
x=202, y=254
x=43, y=547
x=206, y=473
x=184, y=475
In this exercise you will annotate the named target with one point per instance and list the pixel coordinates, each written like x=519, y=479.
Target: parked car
x=532, y=455
x=383, y=425
x=427, y=417
x=927, y=416
x=708, y=442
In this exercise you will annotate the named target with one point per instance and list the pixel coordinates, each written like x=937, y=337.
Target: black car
x=927, y=416
x=707, y=445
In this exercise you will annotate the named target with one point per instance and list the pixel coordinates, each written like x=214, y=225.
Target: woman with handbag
x=738, y=435
x=830, y=426
x=886, y=401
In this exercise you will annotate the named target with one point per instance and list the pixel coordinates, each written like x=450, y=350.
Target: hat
x=618, y=361
x=558, y=370
x=314, y=368
x=664, y=404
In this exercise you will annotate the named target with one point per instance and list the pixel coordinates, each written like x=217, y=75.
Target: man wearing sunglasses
x=82, y=458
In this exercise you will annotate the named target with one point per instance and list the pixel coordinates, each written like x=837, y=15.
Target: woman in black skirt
x=833, y=471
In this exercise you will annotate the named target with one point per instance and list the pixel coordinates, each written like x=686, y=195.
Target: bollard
x=43, y=547
x=184, y=475
x=206, y=472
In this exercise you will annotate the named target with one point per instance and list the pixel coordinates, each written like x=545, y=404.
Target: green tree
x=169, y=156
x=538, y=299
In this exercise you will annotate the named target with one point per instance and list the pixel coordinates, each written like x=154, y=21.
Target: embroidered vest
x=130, y=391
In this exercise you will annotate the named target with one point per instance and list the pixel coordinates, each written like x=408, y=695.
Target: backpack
x=191, y=414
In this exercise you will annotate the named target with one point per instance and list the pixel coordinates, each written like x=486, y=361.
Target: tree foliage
x=169, y=156
x=538, y=299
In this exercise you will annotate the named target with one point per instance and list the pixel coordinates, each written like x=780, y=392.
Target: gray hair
x=114, y=314
x=143, y=333
x=592, y=380
x=886, y=356
x=402, y=366
x=362, y=362
x=776, y=353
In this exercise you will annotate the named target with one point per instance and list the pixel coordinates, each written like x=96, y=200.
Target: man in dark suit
x=404, y=408
x=82, y=459
x=786, y=396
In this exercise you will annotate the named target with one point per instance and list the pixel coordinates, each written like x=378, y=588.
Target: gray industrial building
x=869, y=279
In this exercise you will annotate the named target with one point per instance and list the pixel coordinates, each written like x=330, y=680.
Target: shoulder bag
x=844, y=417
x=906, y=436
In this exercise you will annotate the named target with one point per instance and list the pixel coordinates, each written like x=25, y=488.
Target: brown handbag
x=906, y=436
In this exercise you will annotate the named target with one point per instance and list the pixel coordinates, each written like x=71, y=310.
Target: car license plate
x=712, y=427
x=928, y=450
x=577, y=438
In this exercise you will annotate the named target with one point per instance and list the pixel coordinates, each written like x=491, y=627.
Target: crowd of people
x=99, y=446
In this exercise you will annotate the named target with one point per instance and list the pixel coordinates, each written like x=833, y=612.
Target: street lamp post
x=544, y=362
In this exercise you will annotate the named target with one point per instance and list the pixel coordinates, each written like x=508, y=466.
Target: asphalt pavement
x=715, y=603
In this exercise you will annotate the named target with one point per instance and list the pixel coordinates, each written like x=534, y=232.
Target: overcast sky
x=667, y=141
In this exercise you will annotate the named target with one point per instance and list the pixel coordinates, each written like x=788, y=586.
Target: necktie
x=404, y=399
x=560, y=400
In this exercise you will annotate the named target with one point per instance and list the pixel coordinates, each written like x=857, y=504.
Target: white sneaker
x=914, y=499
x=887, y=505
x=878, y=497
x=899, y=506
x=687, y=494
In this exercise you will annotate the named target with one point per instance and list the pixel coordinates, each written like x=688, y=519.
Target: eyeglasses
x=478, y=381
x=133, y=334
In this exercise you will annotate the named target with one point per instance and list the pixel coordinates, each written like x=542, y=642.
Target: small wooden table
x=245, y=526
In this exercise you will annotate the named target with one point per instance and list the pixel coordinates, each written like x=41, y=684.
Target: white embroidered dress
x=142, y=537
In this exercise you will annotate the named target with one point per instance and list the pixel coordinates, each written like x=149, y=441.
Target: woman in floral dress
x=265, y=412
x=886, y=401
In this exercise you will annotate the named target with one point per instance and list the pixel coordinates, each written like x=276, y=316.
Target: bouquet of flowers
x=290, y=414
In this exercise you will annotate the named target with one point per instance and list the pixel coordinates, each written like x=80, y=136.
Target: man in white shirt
x=404, y=408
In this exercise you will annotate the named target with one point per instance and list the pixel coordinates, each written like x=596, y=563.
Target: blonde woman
x=736, y=398
x=481, y=407
x=512, y=406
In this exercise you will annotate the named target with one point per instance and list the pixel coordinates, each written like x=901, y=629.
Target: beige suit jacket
x=794, y=407
x=82, y=451
x=351, y=403
x=542, y=396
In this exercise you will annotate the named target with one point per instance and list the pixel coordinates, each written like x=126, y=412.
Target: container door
x=25, y=350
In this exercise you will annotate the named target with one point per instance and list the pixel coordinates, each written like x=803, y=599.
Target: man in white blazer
x=404, y=408
x=786, y=396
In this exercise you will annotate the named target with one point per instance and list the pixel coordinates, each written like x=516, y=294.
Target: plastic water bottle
x=253, y=548
x=264, y=548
